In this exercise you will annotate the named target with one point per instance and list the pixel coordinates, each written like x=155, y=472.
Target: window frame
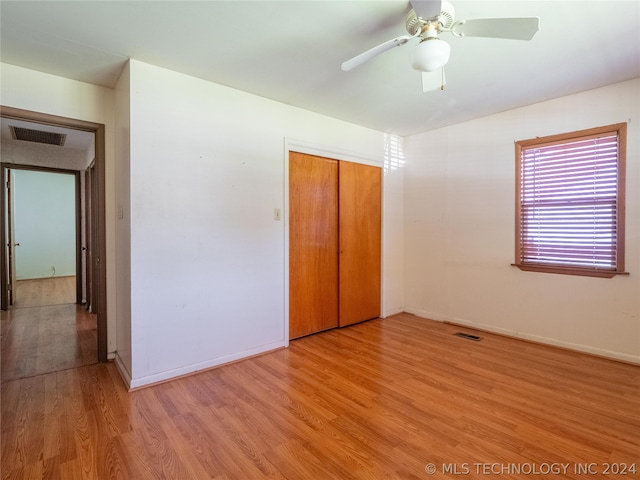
x=620, y=129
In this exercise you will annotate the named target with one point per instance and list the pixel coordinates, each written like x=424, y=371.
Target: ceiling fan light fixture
x=430, y=54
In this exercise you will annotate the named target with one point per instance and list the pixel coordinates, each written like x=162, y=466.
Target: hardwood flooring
x=382, y=399
x=45, y=331
x=37, y=340
x=44, y=291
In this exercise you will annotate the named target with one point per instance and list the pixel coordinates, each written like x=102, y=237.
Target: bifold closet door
x=313, y=244
x=360, y=227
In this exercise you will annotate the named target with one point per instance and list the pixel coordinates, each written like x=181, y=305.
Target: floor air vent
x=38, y=136
x=468, y=336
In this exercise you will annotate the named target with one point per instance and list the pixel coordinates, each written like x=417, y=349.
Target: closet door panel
x=360, y=192
x=313, y=244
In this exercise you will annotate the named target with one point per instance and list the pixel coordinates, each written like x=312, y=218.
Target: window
x=570, y=202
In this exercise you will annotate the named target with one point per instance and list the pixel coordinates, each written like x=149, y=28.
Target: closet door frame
x=294, y=145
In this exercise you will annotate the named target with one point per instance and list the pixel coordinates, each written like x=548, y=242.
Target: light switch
x=277, y=215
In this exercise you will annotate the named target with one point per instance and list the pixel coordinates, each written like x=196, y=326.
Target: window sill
x=569, y=270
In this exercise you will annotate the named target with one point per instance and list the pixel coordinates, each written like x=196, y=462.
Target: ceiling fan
x=426, y=20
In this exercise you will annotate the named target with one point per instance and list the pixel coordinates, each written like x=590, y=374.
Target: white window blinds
x=568, y=199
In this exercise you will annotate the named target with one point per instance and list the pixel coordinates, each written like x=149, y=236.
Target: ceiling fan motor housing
x=444, y=20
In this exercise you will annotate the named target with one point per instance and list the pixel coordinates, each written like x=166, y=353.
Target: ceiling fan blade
x=433, y=80
x=372, y=52
x=427, y=9
x=510, y=28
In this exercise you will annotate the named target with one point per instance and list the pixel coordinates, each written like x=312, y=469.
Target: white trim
x=393, y=311
x=527, y=336
x=301, y=146
x=122, y=370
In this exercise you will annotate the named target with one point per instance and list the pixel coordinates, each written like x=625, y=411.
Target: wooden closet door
x=313, y=244
x=360, y=188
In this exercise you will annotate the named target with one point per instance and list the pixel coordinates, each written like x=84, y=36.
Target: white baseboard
x=393, y=311
x=624, y=357
x=122, y=370
x=145, y=381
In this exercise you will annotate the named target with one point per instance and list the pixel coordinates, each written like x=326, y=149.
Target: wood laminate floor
x=45, y=331
x=44, y=292
x=385, y=399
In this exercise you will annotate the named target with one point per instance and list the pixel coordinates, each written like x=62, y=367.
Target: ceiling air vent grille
x=38, y=136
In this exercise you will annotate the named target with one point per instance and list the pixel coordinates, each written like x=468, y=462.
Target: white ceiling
x=291, y=51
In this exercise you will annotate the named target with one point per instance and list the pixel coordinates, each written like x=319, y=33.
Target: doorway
x=43, y=226
x=93, y=283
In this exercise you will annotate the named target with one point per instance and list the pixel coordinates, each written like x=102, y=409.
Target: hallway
x=45, y=331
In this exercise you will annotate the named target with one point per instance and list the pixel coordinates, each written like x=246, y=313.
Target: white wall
x=207, y=169
x=393, y=233
x=40, y=92
x=459, y=230
x=45, y=224
x=123, y=225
